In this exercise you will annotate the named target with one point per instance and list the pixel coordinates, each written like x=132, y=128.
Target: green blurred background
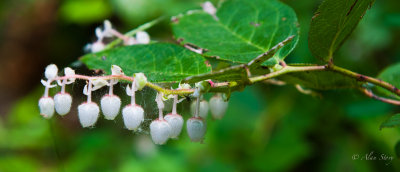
x=266, y=128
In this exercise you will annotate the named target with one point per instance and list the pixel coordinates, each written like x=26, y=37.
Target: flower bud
x=99, y=34
x=176, y=123
x=107, y=30
x=160, y=131
x=62, y=103
x=196, y=128
x=110, y=105
x=88, y=112
x=46, y=107
x=69, y=72
x=203, y=87
x=51, y=71
x=203, y=112
x=133, y=116
x=116, y=70
x=140, y=81
x=218, y=107
x=184, y=86
x=142, y=37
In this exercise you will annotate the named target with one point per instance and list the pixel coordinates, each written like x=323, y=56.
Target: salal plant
x=219, y=51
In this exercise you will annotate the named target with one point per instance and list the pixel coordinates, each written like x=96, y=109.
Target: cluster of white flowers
x=62, y=101
x=161, y=129
x=141, y=37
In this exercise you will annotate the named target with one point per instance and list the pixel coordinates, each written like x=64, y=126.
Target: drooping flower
x=218, y=107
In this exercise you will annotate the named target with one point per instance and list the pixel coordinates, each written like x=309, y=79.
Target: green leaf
x=321, y=80
x=160, y=62
x=393, y=121
x=397, y=149
x=244, y=30
x=391, y=75
x=333, y=22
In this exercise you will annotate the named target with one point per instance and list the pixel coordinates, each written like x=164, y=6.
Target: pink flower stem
x=111, y=90
x=197, y=106
x=63, y=86
x=89, y=90
x=174, y=104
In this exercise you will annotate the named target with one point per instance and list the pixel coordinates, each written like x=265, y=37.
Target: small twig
x=284, y=70
x=307, y=91
x=364, y=78
x=275, y=82
x=234, y=85
x=369, y=93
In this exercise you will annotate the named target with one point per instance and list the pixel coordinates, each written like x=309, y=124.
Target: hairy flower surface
x=203, y=112
x=51, y=71
x=133, y=116
x=160, y=131
x=218, y=107
x=176, y=123
x=63, y=103
x=196, y=128
x=46, y=107
x=110, y=105
x=88, y=113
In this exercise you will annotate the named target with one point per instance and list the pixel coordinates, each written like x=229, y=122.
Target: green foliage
x=392, y=75
x=87, y=11
x=393, y=121
x=242, y=30
x=397, y=149
x=160, y=62
x=334, y=21
x=266, y=128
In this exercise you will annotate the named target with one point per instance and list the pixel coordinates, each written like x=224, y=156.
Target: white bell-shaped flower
x=97, y=47
x=46, y=107
x=160, y=131
x=196, y=128
x=218, y=107
x=63, y=103
x=203, y=112
x=133, y=116
x=88, y=113
x=110, y=105
x=142, y=37
x=51, y=71
x=176, y=123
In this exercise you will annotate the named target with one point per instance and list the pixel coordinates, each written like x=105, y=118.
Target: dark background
x=266, y=128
